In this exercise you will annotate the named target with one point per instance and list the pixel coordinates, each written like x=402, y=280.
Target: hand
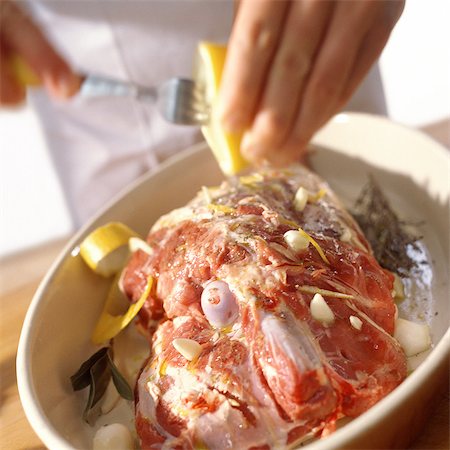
x=19, y=36
x=291, y=65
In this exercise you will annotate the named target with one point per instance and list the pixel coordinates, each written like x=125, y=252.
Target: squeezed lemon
x=23, y=73
x=225, y=146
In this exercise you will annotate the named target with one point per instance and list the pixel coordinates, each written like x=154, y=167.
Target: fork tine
x=182, y=101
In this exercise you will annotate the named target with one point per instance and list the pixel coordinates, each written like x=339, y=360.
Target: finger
x=251, y=47
x=334, y=63
x=371, y=48
x=23, y=37
x=11, y=92
x=304, y=30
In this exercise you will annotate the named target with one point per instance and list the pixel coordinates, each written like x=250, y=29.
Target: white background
x=415, y=67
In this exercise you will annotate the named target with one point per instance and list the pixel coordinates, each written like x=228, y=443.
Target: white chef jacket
x=100, y=145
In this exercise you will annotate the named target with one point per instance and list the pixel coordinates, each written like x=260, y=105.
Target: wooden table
x=19, y=278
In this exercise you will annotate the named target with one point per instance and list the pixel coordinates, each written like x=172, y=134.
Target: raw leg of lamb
x=273, y=319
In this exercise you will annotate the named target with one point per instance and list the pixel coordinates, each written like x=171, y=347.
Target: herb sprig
x=383, y=229
x=96, y=372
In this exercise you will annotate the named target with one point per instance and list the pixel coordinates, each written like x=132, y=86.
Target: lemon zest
x=316, y=290
x=288, y=222
x=292, y=224
x=110, y=325
x=221, y=208
x=250, y=180
x=317, y=196
x=315, y=245
x=163, y=368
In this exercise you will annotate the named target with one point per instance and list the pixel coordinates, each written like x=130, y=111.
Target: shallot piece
x=219, y=304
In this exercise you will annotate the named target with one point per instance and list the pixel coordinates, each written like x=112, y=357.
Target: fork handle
x=98, y=86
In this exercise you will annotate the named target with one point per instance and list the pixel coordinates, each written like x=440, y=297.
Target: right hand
x=292, y=65
x=20, y=37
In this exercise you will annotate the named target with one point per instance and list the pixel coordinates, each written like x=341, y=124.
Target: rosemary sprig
x=383, y=229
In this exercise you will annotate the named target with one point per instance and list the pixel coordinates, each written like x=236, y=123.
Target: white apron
x=99, y=146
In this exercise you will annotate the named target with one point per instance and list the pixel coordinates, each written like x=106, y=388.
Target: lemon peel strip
x=317, y=196
x=288, y=222
x=307, y=236
x=104, y=250
x=221, y=208
x=135, y=244
x=110, y=325
x=251, y=180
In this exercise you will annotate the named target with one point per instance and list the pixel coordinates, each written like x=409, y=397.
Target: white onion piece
x=114, y=436
x=413, y=337
x=219, y=304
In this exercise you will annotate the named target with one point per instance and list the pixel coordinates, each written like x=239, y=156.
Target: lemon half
x=225, y=146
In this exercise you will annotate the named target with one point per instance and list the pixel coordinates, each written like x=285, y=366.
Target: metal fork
x=179, y=100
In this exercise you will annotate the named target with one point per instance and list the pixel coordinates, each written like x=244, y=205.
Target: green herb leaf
x=96, y=373
x=82, y=378
x=123, y=388
x=100, y=375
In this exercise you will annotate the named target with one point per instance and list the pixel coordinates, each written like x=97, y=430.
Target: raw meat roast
x=291, y=315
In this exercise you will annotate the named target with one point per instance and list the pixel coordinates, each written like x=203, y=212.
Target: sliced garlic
x=346, y=235
x=113, y=436
x=413, y=337
x=135, y=243
x=300, y=199
x=320, y=310
x=296, y=240
x=355, y=322
x=188, y=348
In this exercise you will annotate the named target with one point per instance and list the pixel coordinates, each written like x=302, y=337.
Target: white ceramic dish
x=414, y=171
